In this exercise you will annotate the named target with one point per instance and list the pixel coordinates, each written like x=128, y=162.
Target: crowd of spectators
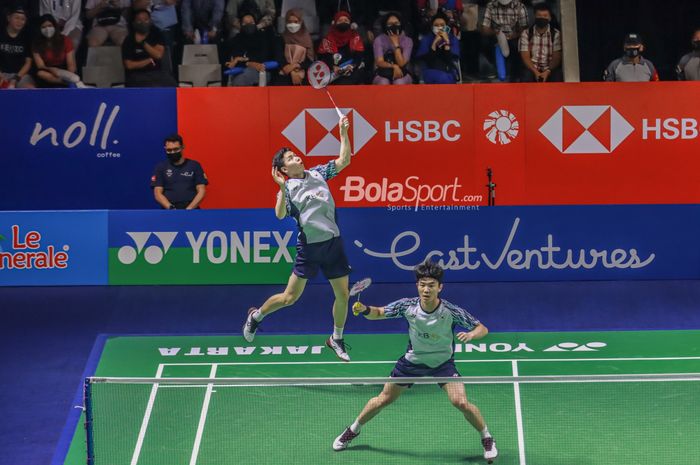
x=263, y=42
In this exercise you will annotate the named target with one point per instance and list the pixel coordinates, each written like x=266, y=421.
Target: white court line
x=371, y=362
x=202, y=418
x=519, y=416
x=146, y=417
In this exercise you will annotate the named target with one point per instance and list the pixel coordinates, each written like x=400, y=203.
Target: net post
x=87, y=401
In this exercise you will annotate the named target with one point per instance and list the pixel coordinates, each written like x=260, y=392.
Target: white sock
x=485, y=432
x=258, y=316
x=337, y=332
x=356, y=427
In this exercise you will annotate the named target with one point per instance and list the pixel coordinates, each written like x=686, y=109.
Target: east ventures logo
x=25, y=253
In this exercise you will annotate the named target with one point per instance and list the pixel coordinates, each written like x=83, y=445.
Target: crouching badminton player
x=431, y=322
x=305, y=196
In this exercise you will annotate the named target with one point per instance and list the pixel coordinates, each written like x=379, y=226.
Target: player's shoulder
x=405, y=302
x=451, y=307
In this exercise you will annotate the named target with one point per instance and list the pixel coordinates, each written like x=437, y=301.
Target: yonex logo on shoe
x=152, y=254
x=501, y=127
x=314, y=131
x=586, y=129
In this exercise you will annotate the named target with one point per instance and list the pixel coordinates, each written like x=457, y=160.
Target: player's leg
x=389, y=394
x=295, y=287
x=340, y=314
x=458, y=397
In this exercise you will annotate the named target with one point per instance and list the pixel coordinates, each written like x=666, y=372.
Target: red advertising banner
x=594, y=143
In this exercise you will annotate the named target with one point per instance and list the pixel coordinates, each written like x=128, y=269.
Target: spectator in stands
x=108, y=21
x=54, y=56
x=249, y=50
x=164, y=18
x=439, y=52
x=540, y=48
x=15, y=51
x=142, y=52
x=67, y=16
x=202, y=18
x=632, y=67
x=392, y=52
x=263, y=9
x=688, y=68
x=452, y=9
x=178, y=183
x=343, y=46
x=298, y=50
x=504, y=20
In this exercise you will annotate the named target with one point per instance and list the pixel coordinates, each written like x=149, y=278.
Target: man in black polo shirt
x=178, y=183
x=15, y=55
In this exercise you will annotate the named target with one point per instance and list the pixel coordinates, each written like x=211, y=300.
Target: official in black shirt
x=15, y=53
x=178, y=183
x=142, y=52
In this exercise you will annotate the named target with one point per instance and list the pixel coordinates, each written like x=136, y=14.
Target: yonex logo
x=574, y=347
x=314, y=131
x=153, y=254
x=501, y=127
x=586, y=129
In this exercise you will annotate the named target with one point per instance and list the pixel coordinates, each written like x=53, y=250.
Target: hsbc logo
x=314, y=131
x=586, y=129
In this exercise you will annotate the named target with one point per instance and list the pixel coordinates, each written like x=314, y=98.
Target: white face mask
x=293, y=27
x=48, y=32
x=436, y=30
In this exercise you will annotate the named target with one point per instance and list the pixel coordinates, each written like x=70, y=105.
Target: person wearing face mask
x=439, y=51
x=298, y=52
x=504, y=20
x=204, y=16
x=249, y=50
x=688, y=68
x=54, y=56
x=178, y=183
x=392, y=52
x=632, y=67
x=263, y=10
x=343, y=44
x=540, y=48
x=67, y=16
x=142, y=52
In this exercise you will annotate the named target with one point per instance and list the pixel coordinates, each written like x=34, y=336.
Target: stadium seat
x=200, y=66
x=104, y=67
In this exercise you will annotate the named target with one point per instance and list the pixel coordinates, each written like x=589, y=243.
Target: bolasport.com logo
x=23, y=251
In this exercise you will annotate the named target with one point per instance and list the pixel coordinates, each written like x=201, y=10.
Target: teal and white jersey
x=431, y=337
x=310, y=203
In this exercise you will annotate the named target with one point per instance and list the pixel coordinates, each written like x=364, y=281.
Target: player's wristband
x=367, y=311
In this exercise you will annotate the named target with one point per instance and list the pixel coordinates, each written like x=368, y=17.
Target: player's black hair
x=174, y=138
x=278, y=158
x=429, y=269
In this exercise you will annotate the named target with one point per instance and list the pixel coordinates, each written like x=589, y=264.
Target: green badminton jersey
x=310, y=203
x=431, y=339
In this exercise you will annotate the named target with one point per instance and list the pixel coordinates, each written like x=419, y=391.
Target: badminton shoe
x=338, y=346
x=490, y=451
x=250, y=326
x=343, y=441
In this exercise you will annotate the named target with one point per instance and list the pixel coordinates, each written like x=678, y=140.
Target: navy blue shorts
x=328, y=255
x=406, y=369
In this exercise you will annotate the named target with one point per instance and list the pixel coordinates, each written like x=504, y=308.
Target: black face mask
x=631, y=52
x=394, y=29
x=541, y=22
x=696, y=45
x=342, y=27
x=174, y=157
x=249, y=29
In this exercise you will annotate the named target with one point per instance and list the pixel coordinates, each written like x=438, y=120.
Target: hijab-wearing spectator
x=341, y=45
x=298, y=49
x=392, y=52
x=54, y=56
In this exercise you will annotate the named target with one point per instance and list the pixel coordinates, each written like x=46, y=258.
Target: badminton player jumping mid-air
x=431, y=322
x=305, y=196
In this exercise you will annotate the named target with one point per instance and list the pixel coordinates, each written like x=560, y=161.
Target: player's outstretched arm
x=368, y=311
x=477, y=333
x=344, y=157
x=281, y=204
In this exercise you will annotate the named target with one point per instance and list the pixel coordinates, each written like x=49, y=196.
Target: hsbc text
x=426, y=131
x=670, y=129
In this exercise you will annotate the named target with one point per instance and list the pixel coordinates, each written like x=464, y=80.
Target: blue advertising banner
x=527, y=243
x=83, y=148
x=53, y=248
